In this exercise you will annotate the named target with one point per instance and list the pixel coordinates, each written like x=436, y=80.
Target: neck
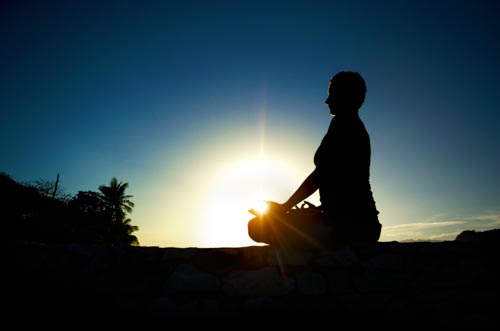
x=347, y=114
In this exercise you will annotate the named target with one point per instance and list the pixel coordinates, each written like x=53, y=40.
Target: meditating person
x=348, y=212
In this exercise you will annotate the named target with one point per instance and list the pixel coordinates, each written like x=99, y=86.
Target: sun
x=238, y=187
x=260, y=207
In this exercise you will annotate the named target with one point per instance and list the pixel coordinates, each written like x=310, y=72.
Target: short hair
x=351, y=86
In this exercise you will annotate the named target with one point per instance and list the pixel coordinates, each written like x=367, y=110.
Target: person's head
x=346, y=92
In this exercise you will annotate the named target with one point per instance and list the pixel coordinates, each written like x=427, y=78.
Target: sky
x=206, y=107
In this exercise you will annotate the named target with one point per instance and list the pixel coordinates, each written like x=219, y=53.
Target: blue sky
x=204, y=107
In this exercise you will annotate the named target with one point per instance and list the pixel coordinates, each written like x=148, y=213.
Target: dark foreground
x=446, y=284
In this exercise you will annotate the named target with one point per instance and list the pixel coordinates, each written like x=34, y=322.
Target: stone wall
x=452, y=284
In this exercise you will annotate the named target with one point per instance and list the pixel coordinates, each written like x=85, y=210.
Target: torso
x=343, y=164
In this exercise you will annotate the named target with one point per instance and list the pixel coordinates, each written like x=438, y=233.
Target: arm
x=308, y=187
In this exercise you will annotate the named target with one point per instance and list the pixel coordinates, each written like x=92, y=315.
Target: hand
x=253, y=212
x=269, y=207
x=259, y=209
x=275, y=207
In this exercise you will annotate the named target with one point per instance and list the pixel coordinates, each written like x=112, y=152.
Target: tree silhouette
x=102, y=225
x=49, y=188
x=36, y=211
x=88, y=202
x=116, y=202
x=124, y=235
x=116, y=205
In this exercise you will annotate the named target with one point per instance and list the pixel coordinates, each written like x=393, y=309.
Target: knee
x=372, y=234
x=378, y=231
x=255, y=230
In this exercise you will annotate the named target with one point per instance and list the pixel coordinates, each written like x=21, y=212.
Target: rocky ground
x=445, y=284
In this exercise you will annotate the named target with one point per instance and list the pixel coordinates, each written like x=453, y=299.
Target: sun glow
x=261, y=207
x=241, y=186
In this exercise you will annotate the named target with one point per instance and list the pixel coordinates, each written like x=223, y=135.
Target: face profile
x=346, y=93
x=330, y=100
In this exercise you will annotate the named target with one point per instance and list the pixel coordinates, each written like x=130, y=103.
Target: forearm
x=306, y=189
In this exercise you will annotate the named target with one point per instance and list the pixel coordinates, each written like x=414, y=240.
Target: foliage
x=33, y=213
x=48, y=188
x=116, y=202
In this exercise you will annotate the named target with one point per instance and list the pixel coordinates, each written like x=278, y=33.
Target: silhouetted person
x=347, y=213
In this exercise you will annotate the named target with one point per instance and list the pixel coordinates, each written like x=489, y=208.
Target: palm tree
x=130, y=239
x=116, y=201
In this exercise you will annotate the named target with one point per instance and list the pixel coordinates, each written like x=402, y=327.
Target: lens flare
x=261, y=207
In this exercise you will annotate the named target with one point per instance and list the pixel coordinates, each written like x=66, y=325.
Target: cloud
x=441, y=227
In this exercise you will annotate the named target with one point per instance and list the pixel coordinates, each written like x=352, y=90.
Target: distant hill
x=471, y=235
x=420, y=240
x=466, y=235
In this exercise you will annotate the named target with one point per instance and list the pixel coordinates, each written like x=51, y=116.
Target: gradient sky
x=204, y=107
